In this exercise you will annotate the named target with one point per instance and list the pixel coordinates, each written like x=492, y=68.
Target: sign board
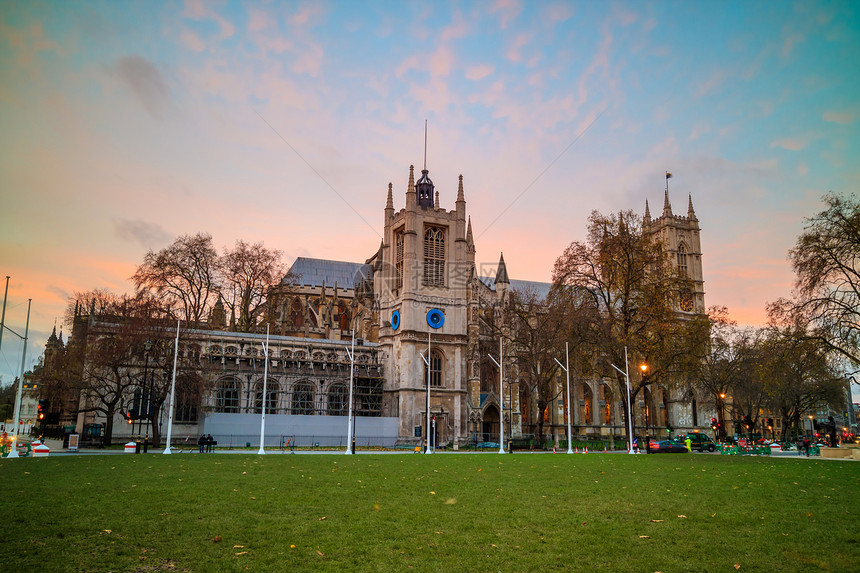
x=73, y=442
x=417, y=431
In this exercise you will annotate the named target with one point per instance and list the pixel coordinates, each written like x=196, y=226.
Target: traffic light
x=770, y=423
x=748, y=421
x=713, y=423
x=43, y=408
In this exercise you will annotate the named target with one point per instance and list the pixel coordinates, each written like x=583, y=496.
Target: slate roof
x=313, y=272
x=539, y=288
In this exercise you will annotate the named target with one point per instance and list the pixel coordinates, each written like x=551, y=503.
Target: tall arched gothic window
x=227, y=397
x=271, y=398
x=435, y=369
x=682, y=260
x=338, y=400
x=303, y=399
x=434, y=256
x=398, y=257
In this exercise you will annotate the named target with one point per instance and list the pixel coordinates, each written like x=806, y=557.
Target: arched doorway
x=490, y=424
x=606, y=405
x=585, y=405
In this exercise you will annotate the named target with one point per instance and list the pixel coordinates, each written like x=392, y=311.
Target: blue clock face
x=395, y=319
x=435, y=318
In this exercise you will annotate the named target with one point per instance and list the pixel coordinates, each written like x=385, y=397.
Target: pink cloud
x=192, y=41
x=410, y=63
x=258, y=20
x=199, y=10
x=309, y=61
x=843, y=117
x=559, y=12
x=790, y=143
x=513, y=53
x=507, y=10
x=479, y=72
x=308, y=14
x=440, y=62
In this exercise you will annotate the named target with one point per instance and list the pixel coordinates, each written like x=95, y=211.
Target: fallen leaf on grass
x=216, y=539
x=107, y=531
x=656, y=521
x=242, y=553
x=682, y=517
x=292, y=546
x=238, y=547
x=321, y=554
x=737, y=565
x=450, y=501
x=644, y=537
x=323, y=518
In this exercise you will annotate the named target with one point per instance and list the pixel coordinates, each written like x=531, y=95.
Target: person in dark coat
x=201, y=441
x=209, y=441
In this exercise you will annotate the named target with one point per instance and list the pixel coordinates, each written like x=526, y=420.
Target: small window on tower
x=682, y=260
x=398, y=257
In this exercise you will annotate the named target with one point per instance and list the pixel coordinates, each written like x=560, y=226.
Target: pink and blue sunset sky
x=126, y=124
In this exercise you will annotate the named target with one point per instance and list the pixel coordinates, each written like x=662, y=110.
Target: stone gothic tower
x=421, y=275
x=680, y=236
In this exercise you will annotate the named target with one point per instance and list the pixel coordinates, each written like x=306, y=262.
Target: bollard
x=41, y=451
x=130, y=448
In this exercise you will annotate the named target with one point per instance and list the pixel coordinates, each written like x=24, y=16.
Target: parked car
x=667, y=447
x=699, y=442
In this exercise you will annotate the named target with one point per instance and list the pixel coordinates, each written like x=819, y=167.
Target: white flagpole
x=263, y=409
x=429, y=360
x=349, y=436
x=501, y=399
x=172, y=389
x=569, y=411
x=13, y=453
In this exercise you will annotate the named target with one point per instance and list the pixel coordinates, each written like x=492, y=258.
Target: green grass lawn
x=467, y=512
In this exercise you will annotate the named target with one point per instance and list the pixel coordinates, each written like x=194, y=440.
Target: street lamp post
x=262, y=450
x=569, y=411
x=350, y=430
x=499, y=364
x=626, y=372
x=172, y=389
x=427, y=361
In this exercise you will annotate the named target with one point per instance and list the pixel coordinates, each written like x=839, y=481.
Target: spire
x=389, y=203
x=53, y=338
x=667, y=207
x=437, y=199
x=470, y=242
x=460, y=195
x=410, y=191
x=691, y=214
x=502, y=271
x=647, y=211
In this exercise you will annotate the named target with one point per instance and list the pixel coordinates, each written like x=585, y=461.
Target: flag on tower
x=668, y=175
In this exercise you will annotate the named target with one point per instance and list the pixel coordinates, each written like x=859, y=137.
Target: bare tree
x=248, y=273
x=184, y=274
x=825, y=260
